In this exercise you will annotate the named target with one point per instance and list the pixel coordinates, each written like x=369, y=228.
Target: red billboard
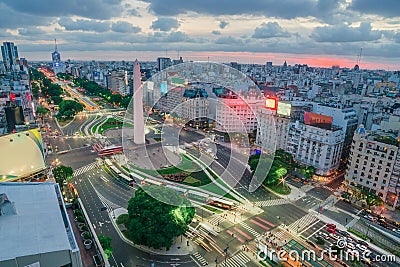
x=271, y=103
x=318, y=120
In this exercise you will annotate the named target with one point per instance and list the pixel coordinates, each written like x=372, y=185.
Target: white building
x=35, y=227
x=272, y=130
x=374, y=165
x=316, y=147
x=119, y=82
x=238, y=115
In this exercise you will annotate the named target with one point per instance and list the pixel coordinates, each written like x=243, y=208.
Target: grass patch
x=280, y=188
x=358, y=234
x=190, y=180
x=158, y=139
x=63, y=122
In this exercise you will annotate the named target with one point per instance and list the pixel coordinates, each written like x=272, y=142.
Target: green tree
x=62, y=173
x=373, y=200
x=105, y=243
x=42, y=110
x=154, y=223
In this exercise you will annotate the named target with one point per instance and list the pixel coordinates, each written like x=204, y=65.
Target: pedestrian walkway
x=250, y=230
x=216, y=220
x=303, y=223
x=272, y=202
x=199, y=259
x=238, y=260
x=86, y=168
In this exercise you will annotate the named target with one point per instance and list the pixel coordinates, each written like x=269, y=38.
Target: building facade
x=374, y=165
x=9, y=53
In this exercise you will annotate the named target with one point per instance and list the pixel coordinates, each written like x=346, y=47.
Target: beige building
x=374, y=164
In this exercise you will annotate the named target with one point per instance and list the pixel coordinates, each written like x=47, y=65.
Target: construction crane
x=359, y=57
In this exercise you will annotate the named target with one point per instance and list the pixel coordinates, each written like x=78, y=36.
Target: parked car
x=361, y=247
x=362, y=242
x=351, y=246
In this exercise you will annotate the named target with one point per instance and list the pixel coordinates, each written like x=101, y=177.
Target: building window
x=376, y=179
x=382, y=187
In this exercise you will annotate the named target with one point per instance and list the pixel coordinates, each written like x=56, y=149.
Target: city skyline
x=317, y=33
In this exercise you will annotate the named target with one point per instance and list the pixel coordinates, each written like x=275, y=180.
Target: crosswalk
x=272, y=202
x=86, y=168
x=199, y=259
x=238, y=260
x=303, y=223
x=215, y=220
x=328, y=188
x=249, y=229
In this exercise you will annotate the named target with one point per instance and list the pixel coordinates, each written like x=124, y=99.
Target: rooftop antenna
x=55, y=44
x=359, y=57
x=166, y=52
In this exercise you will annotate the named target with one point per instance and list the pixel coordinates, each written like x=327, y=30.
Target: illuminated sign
x=177, y=81
x=284, y=109
x=318, y=120
x=164, y=88
x=270, y=103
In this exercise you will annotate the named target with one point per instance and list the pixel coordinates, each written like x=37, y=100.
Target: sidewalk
x=294, y=195
x=179, y=247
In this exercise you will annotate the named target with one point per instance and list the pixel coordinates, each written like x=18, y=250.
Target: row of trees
x=51, y=90
x=96, y=90
x=358, y=194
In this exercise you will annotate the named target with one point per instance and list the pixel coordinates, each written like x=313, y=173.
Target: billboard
x=270, y=103
x=318, y=120
x=177, y=81
x=284, y=109
x=163, y=88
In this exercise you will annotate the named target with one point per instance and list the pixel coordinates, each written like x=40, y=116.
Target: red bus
x=110, y=151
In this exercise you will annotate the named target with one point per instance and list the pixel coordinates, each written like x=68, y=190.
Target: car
x=350, y=246
x=344, y=233
x=369, y=217
x=330, y=230
x=396, y=231
x=362, y=242
x=397, y=224
x=361, y=247
x=381, y=217
x=347, y=200
x=331, y=225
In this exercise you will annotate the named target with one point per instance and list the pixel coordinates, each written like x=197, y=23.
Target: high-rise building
x=163, y=63
x=119, y=82
x=10, y=55
x=374, y=165
x=58, y=66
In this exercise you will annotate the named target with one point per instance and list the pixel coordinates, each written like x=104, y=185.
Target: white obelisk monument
x=138, y=121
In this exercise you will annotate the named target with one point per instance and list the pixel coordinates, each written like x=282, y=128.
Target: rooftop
x=38, y=225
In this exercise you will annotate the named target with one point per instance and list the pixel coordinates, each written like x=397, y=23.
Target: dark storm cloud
x=124, y=27
x=10, y=19
x=269, y=30
x=84, y=25
x=223, y=24
x=95, y=9
x=344, y=33
x=384, y=8
x=216, y=32
x=165, y=24
x=272, y=8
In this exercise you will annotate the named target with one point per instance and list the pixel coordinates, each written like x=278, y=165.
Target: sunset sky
x=314, y=32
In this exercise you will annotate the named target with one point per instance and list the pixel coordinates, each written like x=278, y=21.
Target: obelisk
x=138, y=121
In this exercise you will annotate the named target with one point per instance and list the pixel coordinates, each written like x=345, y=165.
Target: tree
x=154, y=223
x=42, y=110
x=62, y=173
x=373, y=200
x=105, y=243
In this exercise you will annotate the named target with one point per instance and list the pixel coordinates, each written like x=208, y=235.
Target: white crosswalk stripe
x=86, y=168
x=200, y=259
x=302, y=223
x=216, y=219
x=251, y=230
x=239, y=260
x=272, y=202
x=328, y=188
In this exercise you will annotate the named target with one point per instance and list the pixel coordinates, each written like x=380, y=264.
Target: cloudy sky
x=316, y=32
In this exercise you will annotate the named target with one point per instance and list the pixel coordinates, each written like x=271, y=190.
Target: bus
x=110, y=151
x=126, y=180
x=198, y=196
x=115, y=170
x=137, y=178
x=222, y=203
x=108, y=162
x=153, y=182
x=181, y=191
